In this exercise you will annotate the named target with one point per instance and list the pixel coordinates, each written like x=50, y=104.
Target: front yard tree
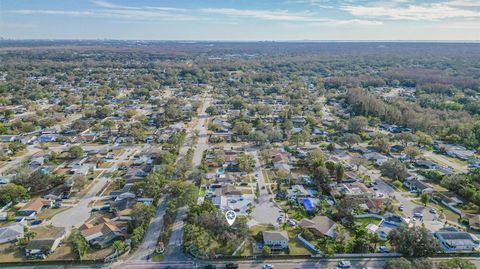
x=350, y=139
x=266, y=250
x=339, y=172
x=245, y=162
x=119, y=246
x=212, y=110
x=414, y=241
x=357, y=124
x=75, y=152
x=394, y=169
x=425, y=198
x=78, y=243
x=315, y=159
x=12, y=193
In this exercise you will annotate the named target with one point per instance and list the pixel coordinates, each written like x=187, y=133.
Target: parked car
x=231, y=266
x=418, y=215
x=267, y=266
x=36, y=222
x=433, y=211
x=383, y=249
x=344, y=264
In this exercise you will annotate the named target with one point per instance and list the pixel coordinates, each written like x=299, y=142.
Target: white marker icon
x=230, y=216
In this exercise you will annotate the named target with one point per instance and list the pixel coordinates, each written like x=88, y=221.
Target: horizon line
x=2, y=39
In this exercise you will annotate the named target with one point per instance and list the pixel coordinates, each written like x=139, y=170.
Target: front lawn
x=363, y=222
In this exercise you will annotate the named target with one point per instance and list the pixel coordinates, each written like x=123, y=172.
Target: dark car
x=231, y=266
x=210, y=266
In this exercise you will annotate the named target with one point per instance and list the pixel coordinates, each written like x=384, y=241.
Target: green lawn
x=365, y=221
x=296, y=248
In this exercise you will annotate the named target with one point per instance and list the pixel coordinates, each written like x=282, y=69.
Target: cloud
x=415, y=12
x=283, y=16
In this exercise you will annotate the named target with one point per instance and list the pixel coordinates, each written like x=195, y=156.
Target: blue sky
x=241, y=19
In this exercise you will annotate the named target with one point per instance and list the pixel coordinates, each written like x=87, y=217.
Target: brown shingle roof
x=319, y=224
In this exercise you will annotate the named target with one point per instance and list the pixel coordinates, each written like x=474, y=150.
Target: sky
x=241, y=20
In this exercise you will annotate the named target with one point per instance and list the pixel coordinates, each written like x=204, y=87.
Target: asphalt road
x=79, y=213
x=151, y=235
x=374, y=263
x=265, y=211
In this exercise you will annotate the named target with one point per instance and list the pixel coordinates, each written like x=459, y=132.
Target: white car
x=344, y=264
x=267, y=266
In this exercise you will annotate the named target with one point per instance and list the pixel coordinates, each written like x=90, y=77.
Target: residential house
x=376, y=157
x=12, y=232
x=353, y=189
x=42, y=247
x=8, y=138
x=297, y=191
x=276, y=240
x=452, y=240
x=416, y=185
x=375, y=205
x=427, y=164
x=473, y=220
x=34, y=206
x=36, y=162
x=320, y=226
x=102, y=234
x=44, y=138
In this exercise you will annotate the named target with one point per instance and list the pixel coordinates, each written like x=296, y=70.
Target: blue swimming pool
x=307, y=203
x=220, y=171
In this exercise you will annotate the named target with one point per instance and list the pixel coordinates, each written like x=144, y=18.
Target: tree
x=103, y=112
x=79, y=181
x=78, y=243
x=456, y=263
x=413, y=241
x=359, y=161
x=331, y=147
x=12, y=193
x=350, y=139
x=75, y=152
x=381, y=143
x=315, y=159
x=16, y=147
x=425, y=198
x=394, y=169
x=357, y=124
x=424, y=139
x=119, y=246
x=339, y=172
x=412, y=152
x=130, y=113
x=141, y=214
x=321, y=177
x=405, y=138
x=398, y=263
x=245, y=162
x=258, y=137
x=137, y=236
x=242, y=128
x=212, y=110
x=266, y=250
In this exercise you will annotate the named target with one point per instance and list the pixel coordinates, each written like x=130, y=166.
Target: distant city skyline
x=242, y=20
